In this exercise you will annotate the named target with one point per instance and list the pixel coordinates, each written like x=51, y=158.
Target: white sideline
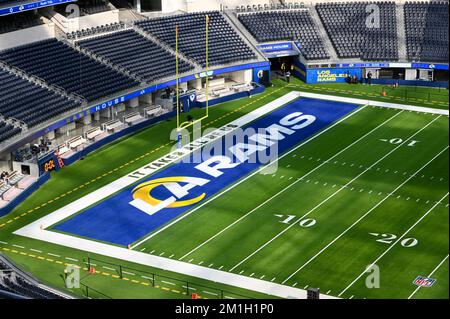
x=393, y=244
x=285, y=189
x=363, y=216
x=431, y=274
x=375, y=103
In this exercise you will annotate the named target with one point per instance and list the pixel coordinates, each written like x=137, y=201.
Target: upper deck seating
x=296, y=25
x=224, y=44
x=426, y=27
x=355, y=35
x=30, y=103
x=135, y=53
x=59, y=64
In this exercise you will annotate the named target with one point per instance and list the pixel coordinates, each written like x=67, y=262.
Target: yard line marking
x=168, y=282
x=128, y=273
x=145, y=277
x=210, y=293
x=109, y=268
x=72, y=259
x=3, y=242
x=363, y=216
x=35, y=250
x=332, y=195
x=251, y=175
x=190, y=288
x=54, y=255
x=431, y=274
x=18, y=246
x=393, y=244
x=283, y=190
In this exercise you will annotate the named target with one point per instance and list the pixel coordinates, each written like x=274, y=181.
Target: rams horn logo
x=144, y=200
x=260, y=74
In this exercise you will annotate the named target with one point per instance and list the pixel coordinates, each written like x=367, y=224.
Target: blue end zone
x=116, y=221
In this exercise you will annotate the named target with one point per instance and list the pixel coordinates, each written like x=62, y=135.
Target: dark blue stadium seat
x=224, y=45
x=61, y=65
x=287, y=25
x=426, y=27
x=7, y=131
x=352, y=37
x=136, y=53
x=19, y=21
x=30, y=103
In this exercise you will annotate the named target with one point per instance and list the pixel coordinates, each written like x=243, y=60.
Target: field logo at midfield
x=424, y=282
x=144, y=201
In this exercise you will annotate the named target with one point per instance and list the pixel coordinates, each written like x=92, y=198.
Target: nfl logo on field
x=424, y=282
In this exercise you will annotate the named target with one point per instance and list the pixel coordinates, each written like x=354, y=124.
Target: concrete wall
x=21, y=37
x=84, y=22
x=34, y=169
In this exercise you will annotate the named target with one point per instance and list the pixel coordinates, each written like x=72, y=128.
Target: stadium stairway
x=37, y=80
x=242, y=31
x=323, y=34
x=226, y=47
x=136, y=53
x=154, y=39
x=401, y=33
x=103, y=60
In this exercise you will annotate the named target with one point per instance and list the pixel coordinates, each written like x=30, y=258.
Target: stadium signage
x=328, y=76
x=275, y=47
x=31, y=6
x=182, y=152
x=381, y=65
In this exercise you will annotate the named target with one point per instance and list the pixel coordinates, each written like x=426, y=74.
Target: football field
x=370, y=191
x=355, y=204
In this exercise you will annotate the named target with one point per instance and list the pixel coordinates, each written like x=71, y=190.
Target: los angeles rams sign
x=136, y=211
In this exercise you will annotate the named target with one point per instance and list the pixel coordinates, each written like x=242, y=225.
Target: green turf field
x=343, y=201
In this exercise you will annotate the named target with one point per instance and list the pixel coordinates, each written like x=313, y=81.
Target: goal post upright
x=176, y=78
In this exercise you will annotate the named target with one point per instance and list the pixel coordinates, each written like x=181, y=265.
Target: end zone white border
x=405, y=107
